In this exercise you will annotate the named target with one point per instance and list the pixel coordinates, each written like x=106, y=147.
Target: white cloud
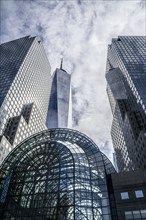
x=80, y=33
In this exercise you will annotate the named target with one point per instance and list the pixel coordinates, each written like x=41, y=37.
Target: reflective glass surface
x=56, y=174
x=124, y=195
x=139, y=194
x=25, y=84
x=126, y=74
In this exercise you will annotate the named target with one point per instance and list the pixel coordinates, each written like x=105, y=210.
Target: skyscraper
x=126, y=88
x=60, y=108
x=60, y=174
x=25, y=84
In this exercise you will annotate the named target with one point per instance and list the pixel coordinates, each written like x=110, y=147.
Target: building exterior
x=126, y=88
x=55, y=174
x=25, y=84
x=60, y=174
x=127, y=193
x=60, y=103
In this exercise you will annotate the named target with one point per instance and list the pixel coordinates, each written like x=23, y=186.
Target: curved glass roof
x=56, y=174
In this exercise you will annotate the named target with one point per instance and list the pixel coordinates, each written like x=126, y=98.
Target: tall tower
x=126, y=88
x=25, y=84
x=60, y=108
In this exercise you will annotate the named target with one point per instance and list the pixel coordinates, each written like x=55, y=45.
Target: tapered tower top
x=61, y=63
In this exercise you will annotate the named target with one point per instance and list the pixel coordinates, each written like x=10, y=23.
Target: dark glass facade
x=25, y=84
x=126, y=88
x=56, y=174
x=127, y=193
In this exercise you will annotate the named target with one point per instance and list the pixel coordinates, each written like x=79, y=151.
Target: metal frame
x=59, y=174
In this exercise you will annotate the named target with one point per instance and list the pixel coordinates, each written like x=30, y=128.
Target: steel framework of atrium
x=55, y=174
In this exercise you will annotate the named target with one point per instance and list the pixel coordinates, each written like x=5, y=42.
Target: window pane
x=139, y=194
x=143, y=213
x=104, y=202
x=124, y=195
x=136, y=214
x=128, y=215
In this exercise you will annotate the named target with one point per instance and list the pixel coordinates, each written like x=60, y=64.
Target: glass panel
x=124, y=195
x=105, y=210
x=104, y=202
x=136, y=214
x=143, y=213
x=128, y=215
x=106, y=217
x=139, y=194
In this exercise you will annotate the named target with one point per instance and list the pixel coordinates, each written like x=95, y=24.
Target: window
x=104, y=202
x=124, y=195
x=128, y=215
x=139, y=194
x=143, y=213
x=136, y=214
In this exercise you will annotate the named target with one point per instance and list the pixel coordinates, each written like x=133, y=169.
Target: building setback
x=25, y=84
x=126, y=88
x=60, y=173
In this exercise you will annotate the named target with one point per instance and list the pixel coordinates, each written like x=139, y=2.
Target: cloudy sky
x=79, y=31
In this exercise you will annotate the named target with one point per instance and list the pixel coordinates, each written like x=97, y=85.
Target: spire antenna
x=61, y=63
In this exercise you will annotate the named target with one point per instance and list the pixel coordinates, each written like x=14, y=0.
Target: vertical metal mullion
x=58, y=198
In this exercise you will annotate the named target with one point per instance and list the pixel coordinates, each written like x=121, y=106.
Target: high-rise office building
x=126, y=88
x=25, y=84
x=61, y=173
x=60, y=103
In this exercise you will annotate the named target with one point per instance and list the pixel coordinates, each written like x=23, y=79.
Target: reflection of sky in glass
x=78, y=31
x=61, y=171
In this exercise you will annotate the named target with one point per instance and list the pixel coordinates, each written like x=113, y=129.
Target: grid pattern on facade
x=127, y=54
x=56, y=174
x=11, y=57
x=59, y=115
x=26, y=77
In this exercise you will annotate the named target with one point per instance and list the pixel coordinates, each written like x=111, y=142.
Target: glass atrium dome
x=59, y=174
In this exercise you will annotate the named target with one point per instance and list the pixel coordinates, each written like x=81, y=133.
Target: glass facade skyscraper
x=25, y=84
x=60, y=174
x=57, y=174
x=126, y=88
x=60, y=103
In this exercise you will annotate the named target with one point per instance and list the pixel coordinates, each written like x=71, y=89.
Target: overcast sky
x=79, y=31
